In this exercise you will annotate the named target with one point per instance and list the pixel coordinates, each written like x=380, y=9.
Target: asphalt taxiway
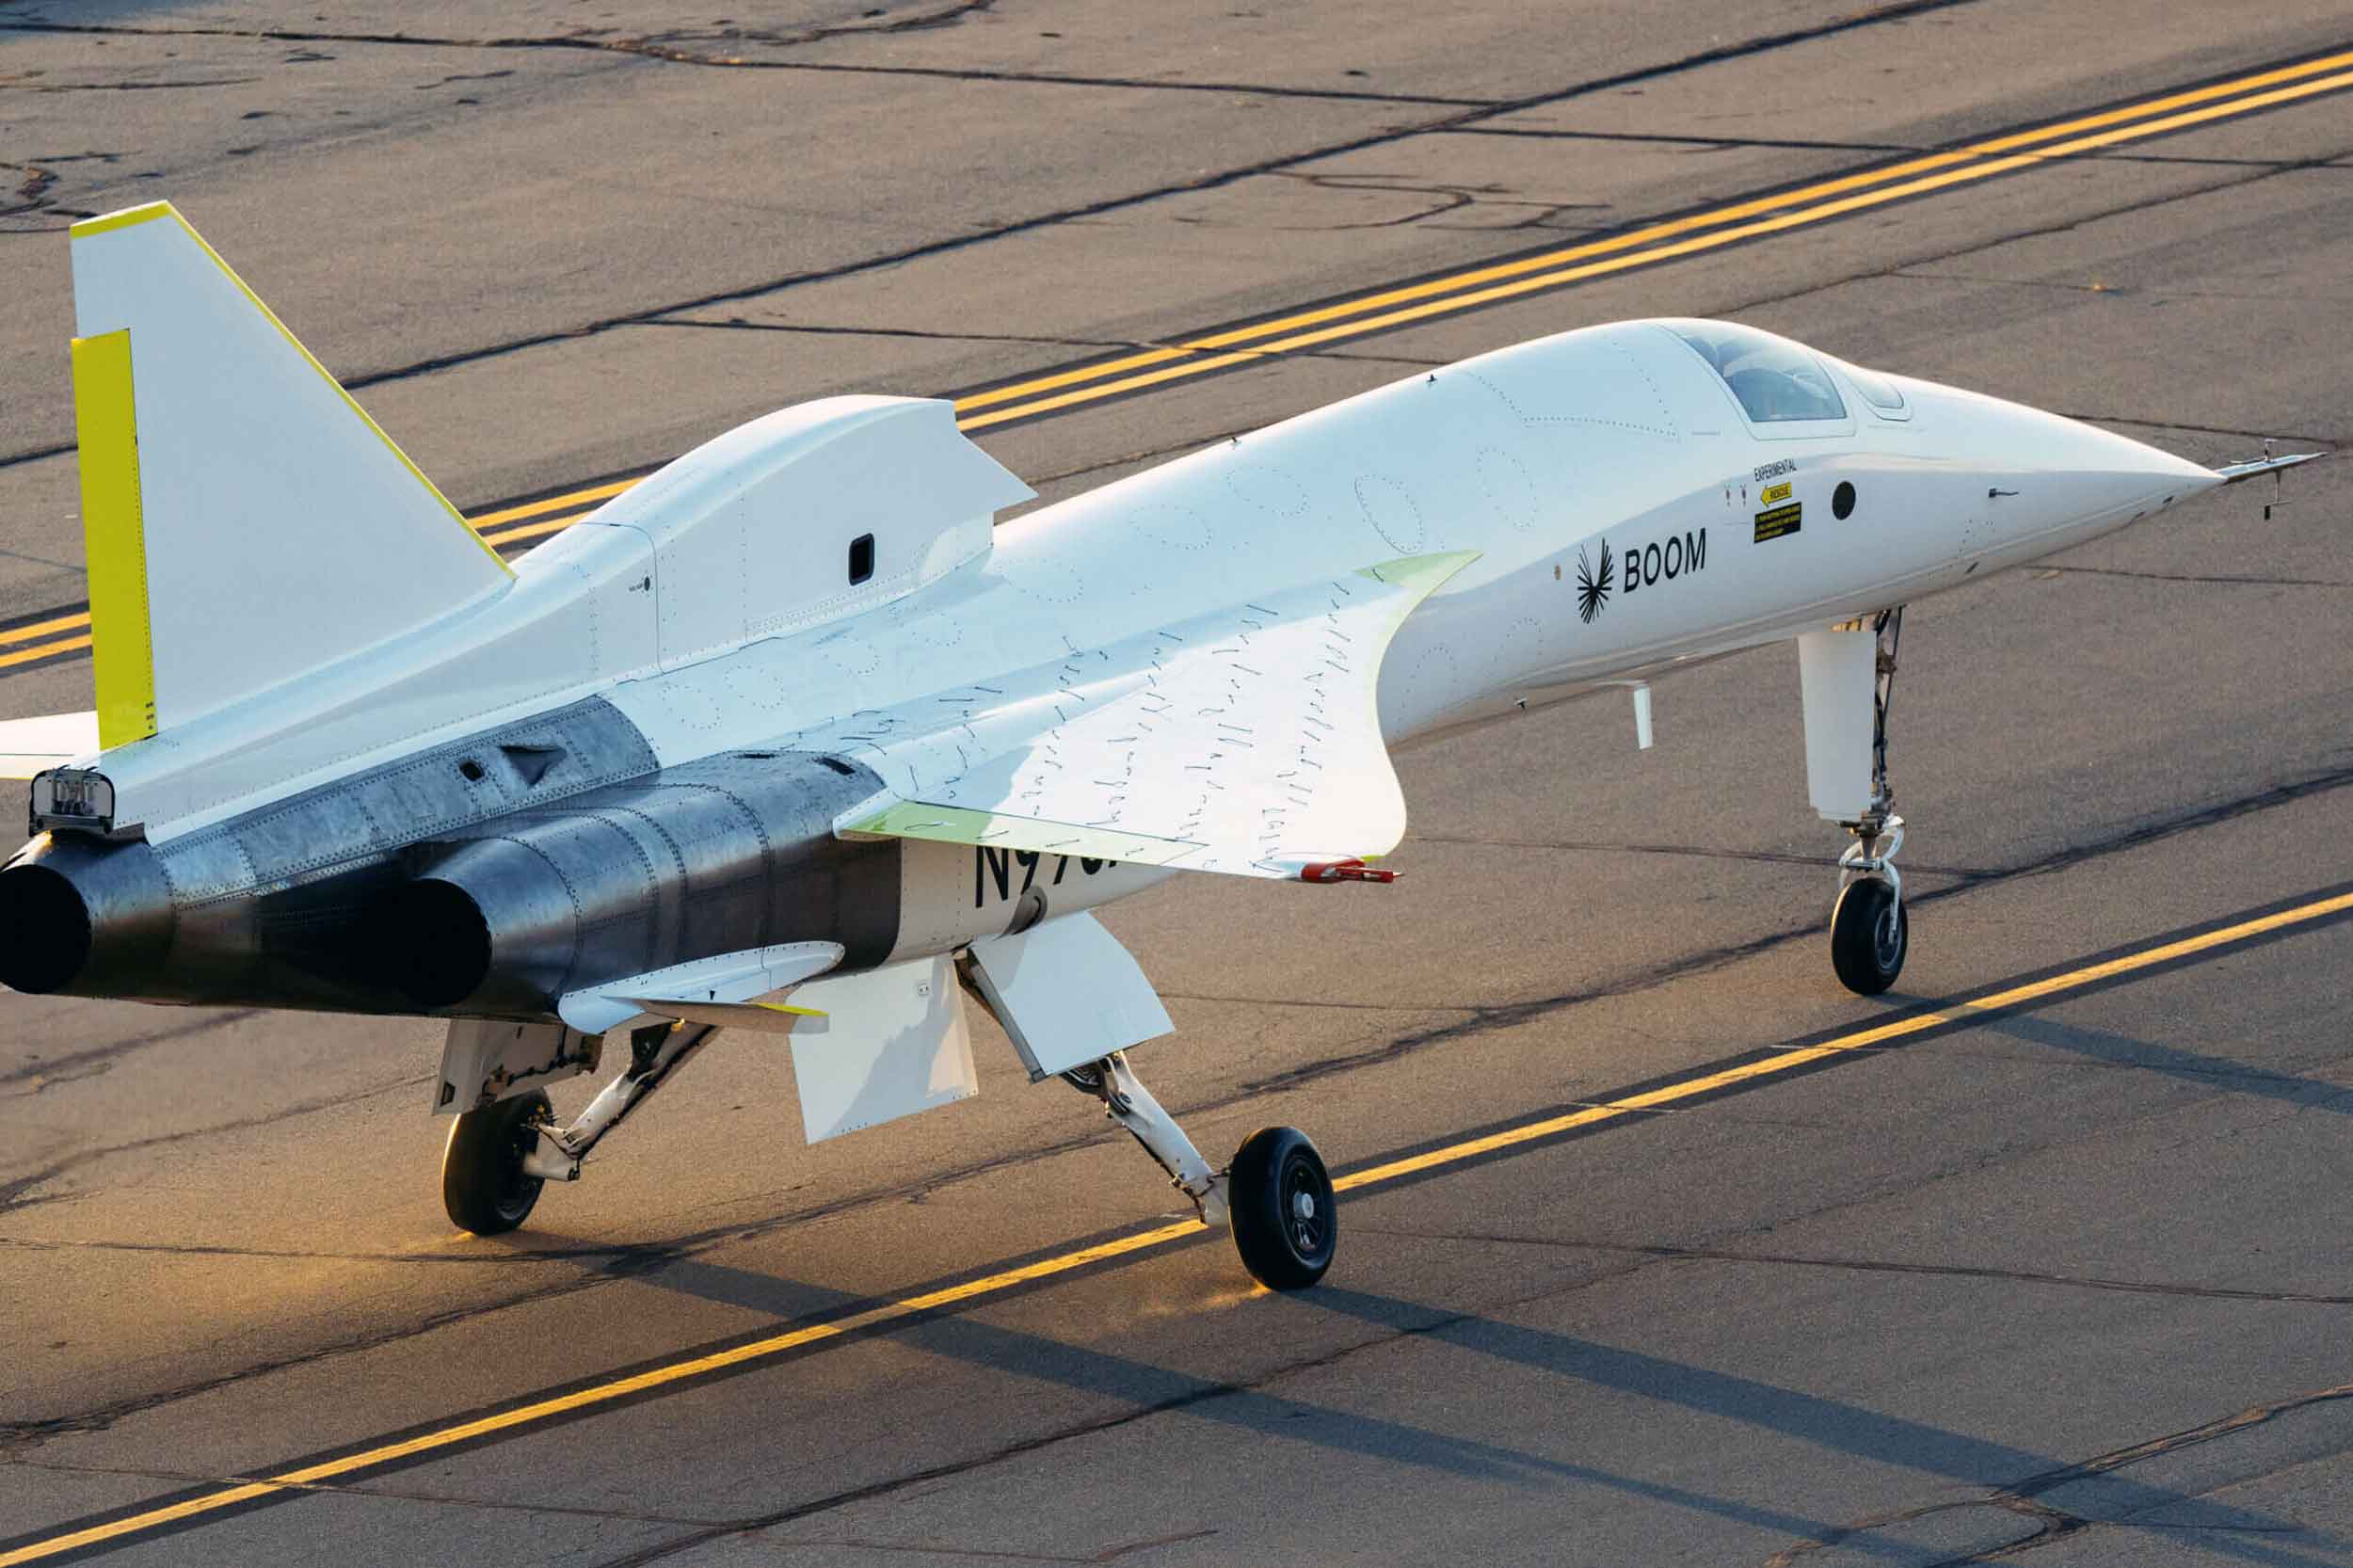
x=1658, y=1246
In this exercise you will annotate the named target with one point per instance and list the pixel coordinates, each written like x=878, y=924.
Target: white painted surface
x=1068, y=993
x=950, y=894
x=283, y=530
x=893, y=1042
x=1247, y=741
x=29, y=745
x=1837, y=679
x=751, y=532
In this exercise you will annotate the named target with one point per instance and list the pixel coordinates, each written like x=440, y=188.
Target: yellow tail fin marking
x=114, y=538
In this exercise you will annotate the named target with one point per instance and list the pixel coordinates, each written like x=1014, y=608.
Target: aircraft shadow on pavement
x=1829, y=1424
x=2214, y=1072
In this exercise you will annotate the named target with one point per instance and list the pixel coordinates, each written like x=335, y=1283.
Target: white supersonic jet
x=788, y=738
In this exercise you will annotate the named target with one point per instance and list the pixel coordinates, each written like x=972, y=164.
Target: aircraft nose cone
x=2070, y=470
x=2102, y=474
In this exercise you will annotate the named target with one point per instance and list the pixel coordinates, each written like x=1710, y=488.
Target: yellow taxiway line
x=1469, y=289
x=538, y=1412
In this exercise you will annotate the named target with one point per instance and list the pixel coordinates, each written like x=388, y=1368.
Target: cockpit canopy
x=1775, y=380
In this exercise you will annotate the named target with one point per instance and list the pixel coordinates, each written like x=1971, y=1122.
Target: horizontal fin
x=28, y=746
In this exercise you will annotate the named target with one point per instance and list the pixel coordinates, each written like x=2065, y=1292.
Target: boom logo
x=1663, y=561
x=1593, y=583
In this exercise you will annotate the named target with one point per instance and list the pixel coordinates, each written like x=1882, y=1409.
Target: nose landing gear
x=1870, y=932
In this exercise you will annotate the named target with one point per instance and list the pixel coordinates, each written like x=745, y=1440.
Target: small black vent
x=838, y=766
x=470, y=771
x=861, y=558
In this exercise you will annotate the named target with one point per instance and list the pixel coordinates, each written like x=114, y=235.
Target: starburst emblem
x=1592, y=584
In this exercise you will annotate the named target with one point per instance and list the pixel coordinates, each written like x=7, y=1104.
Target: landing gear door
x=1838, y=674
x=1068, y=993
x=487, y=1060
x=891, y=1041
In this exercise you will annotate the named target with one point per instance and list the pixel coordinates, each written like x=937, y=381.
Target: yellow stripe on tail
x=113, y=535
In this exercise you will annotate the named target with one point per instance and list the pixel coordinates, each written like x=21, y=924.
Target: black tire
x=1870, y=932
x=483, y=1185
x=1275, y=1175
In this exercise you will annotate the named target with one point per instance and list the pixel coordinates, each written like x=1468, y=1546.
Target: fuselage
x=1638, y=495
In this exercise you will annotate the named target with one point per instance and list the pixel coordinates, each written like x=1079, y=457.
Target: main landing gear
x=1275, y=1195
x=1869, y=930
x=499, y=1155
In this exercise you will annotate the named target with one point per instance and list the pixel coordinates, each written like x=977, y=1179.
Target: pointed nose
x=2073, y=471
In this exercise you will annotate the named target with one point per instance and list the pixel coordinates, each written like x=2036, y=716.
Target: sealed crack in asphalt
x=1876, y=1266
x=1211, y=180
x=14, y=1194
x=1613, y=1368
x=42, y=1067
x=633, y=1261
x=2220, y=580
x=2021, y=1497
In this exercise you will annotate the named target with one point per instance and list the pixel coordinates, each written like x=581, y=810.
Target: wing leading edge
x=1246, y=741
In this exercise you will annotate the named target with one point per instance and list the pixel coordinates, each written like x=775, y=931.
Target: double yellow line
x=1470, y=289
x=673, y=1374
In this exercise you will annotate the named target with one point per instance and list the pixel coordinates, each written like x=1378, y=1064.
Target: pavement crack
x=1777, y=857
x=192, y=1478
x=668, y=47
x=1873, y=1266
x=1766, y=44
x=2221, y=579
x=1762, y=143
x=1324, y=1004
x=2197, y=429
x=46, y=1069
x=2022, y=1497
x=1908, y=270
x=13, y=1194
x=31, y=188
x=125, y=86
x=741, y=324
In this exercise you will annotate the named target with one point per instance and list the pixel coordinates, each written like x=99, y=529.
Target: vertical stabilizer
x=246, y=520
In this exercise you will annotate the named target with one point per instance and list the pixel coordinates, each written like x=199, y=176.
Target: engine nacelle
x=733, y=852
x=518, y=894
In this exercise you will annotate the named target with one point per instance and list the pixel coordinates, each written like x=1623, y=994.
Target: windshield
x=1775, y=380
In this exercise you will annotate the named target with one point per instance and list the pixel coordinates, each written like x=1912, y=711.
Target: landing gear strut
x=1276, y=1194
x=499, y=1155
x=1870, y=930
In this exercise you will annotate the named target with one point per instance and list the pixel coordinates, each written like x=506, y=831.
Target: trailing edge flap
x=732, y=990
x=28, y=746
x=1066, y=993
x=894, y=1043
x=1247, y=741
x=246, y=520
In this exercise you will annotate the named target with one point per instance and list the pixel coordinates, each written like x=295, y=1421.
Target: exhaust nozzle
x=83, y=915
